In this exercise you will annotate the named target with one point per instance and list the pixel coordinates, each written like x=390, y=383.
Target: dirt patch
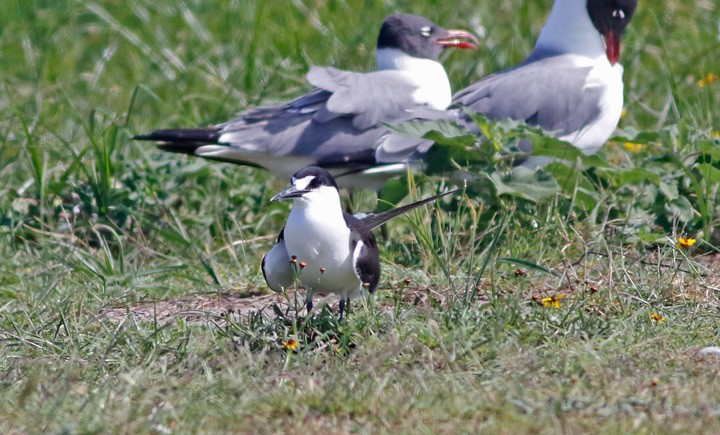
x=204, y=307
x=201, y=307
x=215, y=306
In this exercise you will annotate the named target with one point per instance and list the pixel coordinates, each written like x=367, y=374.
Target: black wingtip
x=183, y=135
x=180, y=147
x=376, y=219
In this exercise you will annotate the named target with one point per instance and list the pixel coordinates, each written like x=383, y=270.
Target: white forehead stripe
x=303, y=182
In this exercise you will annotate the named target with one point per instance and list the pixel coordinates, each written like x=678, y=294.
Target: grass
x=103, y=238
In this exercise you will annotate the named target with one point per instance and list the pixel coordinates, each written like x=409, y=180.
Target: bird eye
x=426, y=31
x=619, y=14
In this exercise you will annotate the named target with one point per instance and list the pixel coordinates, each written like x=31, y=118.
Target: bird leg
x=349, y=203
x=342, y=309
x=384, y=232
x=308, y=301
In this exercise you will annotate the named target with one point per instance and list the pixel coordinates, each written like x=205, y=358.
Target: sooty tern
x=329, y=250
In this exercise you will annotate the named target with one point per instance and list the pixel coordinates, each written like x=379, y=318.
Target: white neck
x=569, y=30
x=429, y=76
x=322, y=205
x=396, y=59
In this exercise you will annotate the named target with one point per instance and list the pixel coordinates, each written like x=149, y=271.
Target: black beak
x=289, y=193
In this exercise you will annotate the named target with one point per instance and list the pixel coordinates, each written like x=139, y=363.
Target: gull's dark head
x=420, y=37
x=307, y=182
x=610, y=17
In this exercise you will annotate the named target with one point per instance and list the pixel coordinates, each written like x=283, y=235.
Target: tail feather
x=373, y=220
x=182, y=140
x=200, y=135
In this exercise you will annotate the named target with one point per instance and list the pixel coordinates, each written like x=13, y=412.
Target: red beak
x=459, y=39
x=612, y=47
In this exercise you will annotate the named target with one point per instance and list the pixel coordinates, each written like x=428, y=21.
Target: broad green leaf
x=558, y=149
x=647, y=236
x=670, y=190
x=524, y=183
x=639, y=216
x=443, y=158
x=631, y=134
x=630, y=176
x=441, y=131
x=506, y=125
x=574, y=183
x=649, y=196
x=680, y=207
x=453, y=144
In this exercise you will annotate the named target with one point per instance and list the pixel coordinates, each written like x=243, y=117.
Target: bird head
x=310, y=184
x=610, y=17
x=420, y=37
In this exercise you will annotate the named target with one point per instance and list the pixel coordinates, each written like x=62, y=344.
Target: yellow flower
x=291, y=344
x=686, y=242
x=634, y=147
x=708, y=80
x=657, y=317
x=715, y=135
x=552, y=301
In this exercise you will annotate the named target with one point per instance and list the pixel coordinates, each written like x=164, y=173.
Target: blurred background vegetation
x=91, y=219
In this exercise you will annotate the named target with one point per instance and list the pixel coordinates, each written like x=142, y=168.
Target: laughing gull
x=329, y=251
x=570, y=84
x=339, y=124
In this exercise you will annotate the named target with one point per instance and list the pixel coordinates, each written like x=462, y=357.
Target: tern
x=327, y=249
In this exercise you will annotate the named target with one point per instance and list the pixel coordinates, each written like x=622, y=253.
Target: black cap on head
x=420, y=37
x=321, y=177
x=313, y=178
x=610, y=17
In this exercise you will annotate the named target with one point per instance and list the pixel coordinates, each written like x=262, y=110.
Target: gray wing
x=550, y=93
x=338, y=123
x=365, y=98
x=365, y=253
x=305, y=104
x=369, y=97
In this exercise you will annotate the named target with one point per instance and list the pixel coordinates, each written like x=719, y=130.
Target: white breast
x=608, y=77
x=317, y=236
x=591, y=137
